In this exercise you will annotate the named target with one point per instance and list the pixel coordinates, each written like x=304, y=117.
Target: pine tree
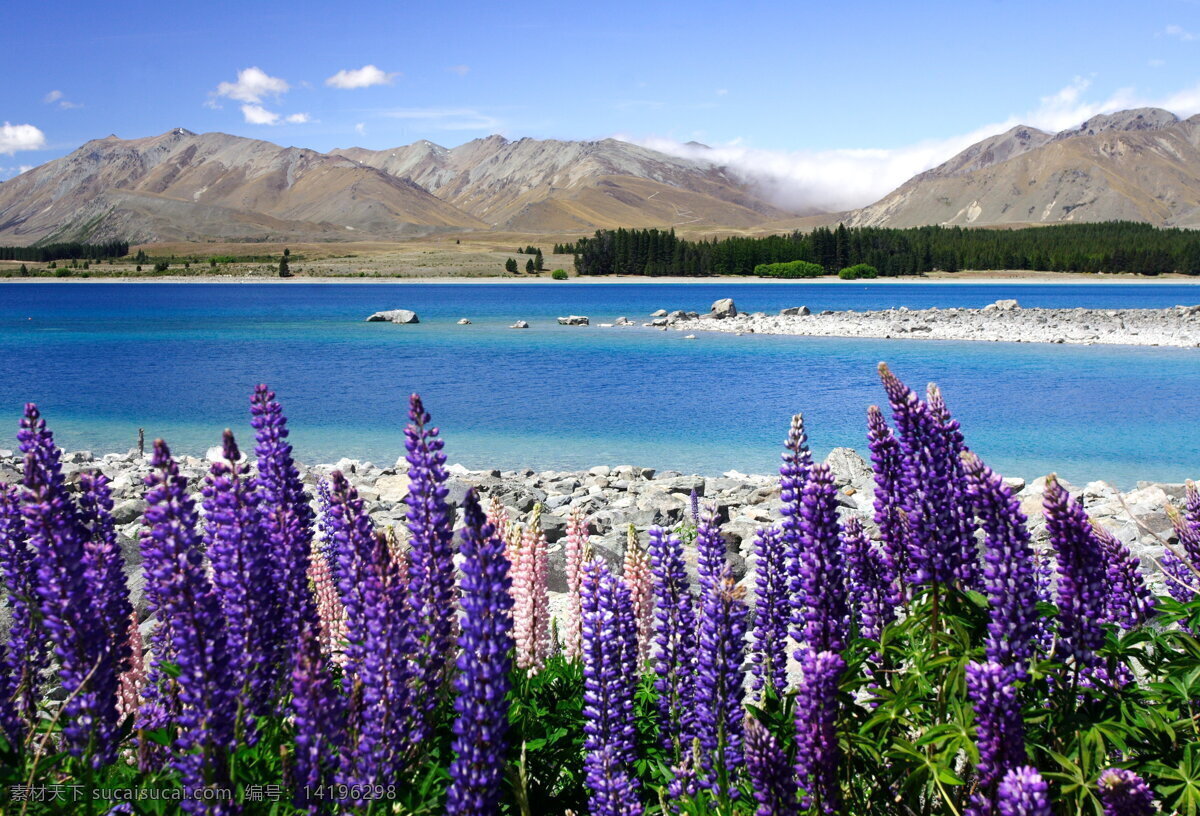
x=538, y=262
x=510, y=266
x=529, y=266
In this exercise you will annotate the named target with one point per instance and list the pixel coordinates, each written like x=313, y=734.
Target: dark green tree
x=510, y=266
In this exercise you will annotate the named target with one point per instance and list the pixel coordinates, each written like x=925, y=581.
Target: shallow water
x=180, y=360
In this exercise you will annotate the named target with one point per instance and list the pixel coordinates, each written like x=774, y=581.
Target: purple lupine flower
x=694, y=502
x=956, y=445
x=710, y=547
x=939, y=550
x=683, y=788
x=1023, y=792
x=483, y=665
x=869, y=581
x=609, y=684
x=818, y=754
x=379, y=645
x=323, y=542
x=819, y=612
x=772, y=611
x=67, y=601
x=773, y=779
x=1008, y=574
x=793, y=473
x=105, y=574
x=181, y=596
x=242, y=565
x=287, y=521
x=1000, y=730
x=887, y=462
x=1182, y=583
x=431, y=553
x=674, y=641
x=1081, y=574
x=27, y=652
x=1124, y=793
x=1128, y=601
x=1181, y=567
x=318, y=711
x=720, y=680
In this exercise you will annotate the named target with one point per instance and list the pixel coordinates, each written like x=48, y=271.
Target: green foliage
x=792, y=269
x=64, y=251
x=858, y=271
x=559, y=274
x=510, y=266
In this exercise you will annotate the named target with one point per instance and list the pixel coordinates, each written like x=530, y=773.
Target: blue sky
x=832, y=99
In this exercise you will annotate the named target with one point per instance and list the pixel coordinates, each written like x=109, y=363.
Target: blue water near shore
x=180, y=360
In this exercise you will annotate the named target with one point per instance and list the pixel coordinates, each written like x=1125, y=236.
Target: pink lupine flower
x=129, y=689
x=637, y=578
x=531, y=598
x=497, y=516
x=331, y=615
x=577, y=552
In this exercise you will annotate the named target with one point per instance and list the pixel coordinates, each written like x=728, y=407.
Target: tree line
x=64, y=251
x=1115, y=246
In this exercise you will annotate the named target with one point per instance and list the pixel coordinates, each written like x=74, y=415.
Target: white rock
x=394, y=316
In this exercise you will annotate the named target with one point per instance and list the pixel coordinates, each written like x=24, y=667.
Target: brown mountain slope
x=213, y=186
x=539, y=185
x=1138, y=165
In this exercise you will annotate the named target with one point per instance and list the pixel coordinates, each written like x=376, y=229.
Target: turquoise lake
x=180, y=360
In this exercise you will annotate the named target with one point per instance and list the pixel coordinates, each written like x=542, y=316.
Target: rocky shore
x=614, y=498
x=1002, y=321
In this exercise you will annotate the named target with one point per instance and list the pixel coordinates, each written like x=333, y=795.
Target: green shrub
x=858, y=271
x=559, y=274
x=791, y=269
x=62, y=273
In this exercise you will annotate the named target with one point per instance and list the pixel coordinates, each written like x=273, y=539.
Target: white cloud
x=298, y=119
x=52, y=97
x=448, y=118
x=360, y=128
x=722, y=91
x=252, y=85
x=1156, y=63
x=24, y=168
x=842, y=179
x=461, y=70
x=258, y=115
x=363, y=77
x=1179, y=33
x=20, y=137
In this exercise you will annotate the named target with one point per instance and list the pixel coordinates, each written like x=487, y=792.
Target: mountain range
x=1137, y=165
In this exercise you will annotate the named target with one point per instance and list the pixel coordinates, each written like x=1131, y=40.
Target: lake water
x=180, y=360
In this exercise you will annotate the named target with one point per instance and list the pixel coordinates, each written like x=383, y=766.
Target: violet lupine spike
x=694, y=506
x=321, y=531
x=531, y=597
x=819, y=611
x=610, y=682
x=674, y=641
x=1181, y=566
x=887, y=462
x=1182, y=582
x=379, y=643
x=1000, y=731
x=1124, y=793
x=938, y=550
x=1023, y=792
x=431, y=555
x=952, y=432
x=710, y=546
x=576, y=553
x=184, y=601
x=772, y=611
x=720, y=682
x=869, y=581
x=287, y=521
x=482, y=682
x=67, y=600
x=636, y=573
x=27, y=653
x=318, y=715
x=1081, y=575
x=1128, y=601
x=818, y=754
x=1008, y=575
x=793, y=473
x=772, y=778
x=242, y=574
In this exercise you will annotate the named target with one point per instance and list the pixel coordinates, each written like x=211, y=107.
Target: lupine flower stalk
x=772, y=612
x=67, y=597
x=610, y=681
x=431, y=556
x=818, y=755
x=1023, y=792
x=318, y=714
x=887, y=462
x=531, y=597
x=1082, y=573
x=869, y=581
x=1128, y=600
x=497, y=516
x=1181, y=566
x=710, y=547
x=189, y=611
x=793, y=473
x=674, y=641
x=577, y=552
x=1001, y=732
x=819, y=611
x=331, y=615
x=27, y=652
x=965, y=519
x=636, y=572
x=720, y=680
x=1124, y=793
x=133, y=679
x=1008, y=573
x=482, y=681
x=772, y=777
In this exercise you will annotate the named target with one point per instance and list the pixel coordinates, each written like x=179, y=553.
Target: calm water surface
x=180, y=360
